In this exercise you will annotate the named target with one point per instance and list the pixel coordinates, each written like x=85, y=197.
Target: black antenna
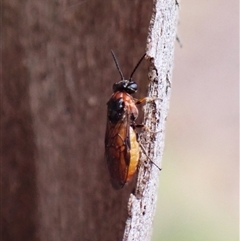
x=116, y=62
x=139, y=62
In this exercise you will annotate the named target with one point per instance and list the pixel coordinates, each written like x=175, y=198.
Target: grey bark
x=160, y=50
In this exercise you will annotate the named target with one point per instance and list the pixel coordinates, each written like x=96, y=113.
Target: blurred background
x=57, y=75
x=198, y=193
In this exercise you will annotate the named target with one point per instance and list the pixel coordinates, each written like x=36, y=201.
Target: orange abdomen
x=134, y=154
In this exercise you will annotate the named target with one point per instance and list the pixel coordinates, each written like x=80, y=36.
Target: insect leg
x=145, y=128
x=150, y=158
x=145, y=100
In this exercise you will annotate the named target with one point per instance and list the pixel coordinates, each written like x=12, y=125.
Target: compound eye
x=132, y=87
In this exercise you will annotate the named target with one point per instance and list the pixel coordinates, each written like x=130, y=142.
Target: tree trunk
x=57, y=77
x=160, y=49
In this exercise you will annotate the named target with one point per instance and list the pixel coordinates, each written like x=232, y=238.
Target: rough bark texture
x=160, y=49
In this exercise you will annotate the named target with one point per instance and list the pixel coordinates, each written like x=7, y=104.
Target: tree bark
x=57, y=77
x=160, y=49
x=57, y=74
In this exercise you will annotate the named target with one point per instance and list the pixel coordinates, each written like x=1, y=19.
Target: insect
x=122, y=149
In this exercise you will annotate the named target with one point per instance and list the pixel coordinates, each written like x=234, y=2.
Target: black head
x=125, y=85
x=128, y=86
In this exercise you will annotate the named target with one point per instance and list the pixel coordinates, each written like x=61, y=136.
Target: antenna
x=118, y=67
x=139, y=62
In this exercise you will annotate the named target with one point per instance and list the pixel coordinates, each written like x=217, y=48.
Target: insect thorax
x=115, y=110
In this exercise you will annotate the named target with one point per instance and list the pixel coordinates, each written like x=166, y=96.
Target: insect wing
x=117, y=151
